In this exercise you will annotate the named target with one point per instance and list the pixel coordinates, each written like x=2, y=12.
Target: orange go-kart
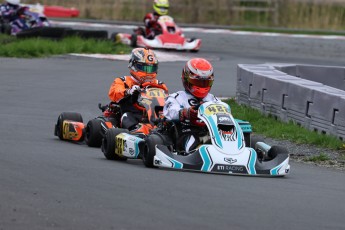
x=70, y=126
x=120, y=144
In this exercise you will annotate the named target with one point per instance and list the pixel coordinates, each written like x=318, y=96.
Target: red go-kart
x=170, y=36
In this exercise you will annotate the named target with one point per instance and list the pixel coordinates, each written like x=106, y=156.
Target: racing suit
x=151, y=25
x=8, y=12
x=132, y=113
x=189, y=135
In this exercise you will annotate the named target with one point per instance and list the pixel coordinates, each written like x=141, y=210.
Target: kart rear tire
x=275, y=151
x=150, y=149
x=247, y=139
x=93, y=133
x=109, y=143
x=66, y=116
x=134, y=38
x=113, y=37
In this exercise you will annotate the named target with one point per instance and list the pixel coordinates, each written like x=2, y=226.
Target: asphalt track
x=49, y=184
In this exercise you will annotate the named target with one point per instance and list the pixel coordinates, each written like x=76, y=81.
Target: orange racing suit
x=131, y=114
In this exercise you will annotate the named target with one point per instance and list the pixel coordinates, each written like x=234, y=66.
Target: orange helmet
x=197, y=77
x=143, y=65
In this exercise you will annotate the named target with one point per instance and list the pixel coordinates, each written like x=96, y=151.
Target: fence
x=312, y=14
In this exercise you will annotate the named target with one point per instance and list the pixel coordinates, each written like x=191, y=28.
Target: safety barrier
x=312, y=96
x=53, y=11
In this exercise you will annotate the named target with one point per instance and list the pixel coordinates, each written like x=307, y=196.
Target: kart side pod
x=70, y=126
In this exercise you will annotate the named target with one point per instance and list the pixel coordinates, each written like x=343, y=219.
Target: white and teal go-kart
x=228, y=150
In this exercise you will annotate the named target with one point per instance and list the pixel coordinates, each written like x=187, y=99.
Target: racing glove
x=134, y=93
x=134, y=90
x=190, y=114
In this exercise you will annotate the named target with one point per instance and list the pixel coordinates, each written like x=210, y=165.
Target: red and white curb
x=201, y=30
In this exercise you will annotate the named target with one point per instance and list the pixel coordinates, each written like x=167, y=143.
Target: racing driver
x=160, y=7
x=197, y=79
x=143, y=66
x=9, y=10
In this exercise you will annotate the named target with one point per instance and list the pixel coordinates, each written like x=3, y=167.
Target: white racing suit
x=189, y=136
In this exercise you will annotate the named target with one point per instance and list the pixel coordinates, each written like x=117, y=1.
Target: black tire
x=276, y=150
x=88, y=34
x=254, y=140
x=134, y=38
x=109, y=143
x=247, y=139
x=66, y=116
x=113, y=37
x=93, y=133
x=5, y=28
x=150, y=149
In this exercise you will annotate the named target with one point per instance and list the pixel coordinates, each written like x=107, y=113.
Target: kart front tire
x=276, y=150
x=150, y=149
x=93, y=133
x=254, y=140
x=109, y=144
x=66, y=116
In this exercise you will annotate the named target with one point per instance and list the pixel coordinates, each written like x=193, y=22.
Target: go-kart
x=119, y=143
x=168, y=37
x=225, y=151
x=70, y=126
x=28, y=20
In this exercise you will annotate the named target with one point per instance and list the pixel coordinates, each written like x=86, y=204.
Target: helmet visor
x=201, y=82
x=147, y=68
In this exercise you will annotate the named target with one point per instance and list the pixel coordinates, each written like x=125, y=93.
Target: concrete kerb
x=273, y=89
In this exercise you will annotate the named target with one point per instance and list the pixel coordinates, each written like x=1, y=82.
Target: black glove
x=134, y=93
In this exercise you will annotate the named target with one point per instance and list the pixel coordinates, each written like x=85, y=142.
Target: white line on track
x=201, y=30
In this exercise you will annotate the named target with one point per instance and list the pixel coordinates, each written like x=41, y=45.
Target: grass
x=318, y=158
x=39, y=47
x=270, y=127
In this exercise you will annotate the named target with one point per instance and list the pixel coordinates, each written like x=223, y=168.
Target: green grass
x=270, y=127
x=39, y=47
x=318, y=158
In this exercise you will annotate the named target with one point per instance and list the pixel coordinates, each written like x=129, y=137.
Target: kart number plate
x=214, y=109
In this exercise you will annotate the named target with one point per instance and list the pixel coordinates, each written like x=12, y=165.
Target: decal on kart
x=252, y=161
x=71, y=130
x=120, y=144
x=206, y=159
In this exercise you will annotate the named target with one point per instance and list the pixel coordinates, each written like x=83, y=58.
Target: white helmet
x=13, y=2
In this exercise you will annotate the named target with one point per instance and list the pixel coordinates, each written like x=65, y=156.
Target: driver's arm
x=117, y=90
x=172, y=109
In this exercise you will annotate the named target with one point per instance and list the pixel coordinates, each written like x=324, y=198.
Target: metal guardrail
x=311, y=96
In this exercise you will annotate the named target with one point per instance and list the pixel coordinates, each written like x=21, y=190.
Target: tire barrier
x=86, y=34
x=61, y=32
x=43, y=32
x=311, y=96
x=54, y=11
